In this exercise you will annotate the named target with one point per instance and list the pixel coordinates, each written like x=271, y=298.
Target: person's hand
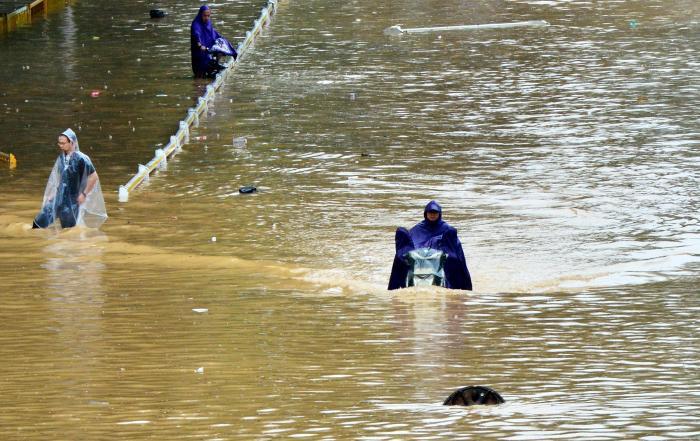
x=81, y=198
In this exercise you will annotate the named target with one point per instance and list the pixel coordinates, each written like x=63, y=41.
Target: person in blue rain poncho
x=433, y=233
x=73, y=195
x=207, y=45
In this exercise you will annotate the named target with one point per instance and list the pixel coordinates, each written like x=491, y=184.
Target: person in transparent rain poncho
x=73, y=195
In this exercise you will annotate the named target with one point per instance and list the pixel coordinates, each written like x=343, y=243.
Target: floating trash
x=213, y=238
x=199, y=370
x=95, y=93
x=157, y=13
x=248, y=189
x=200, y=310
x=240, y=141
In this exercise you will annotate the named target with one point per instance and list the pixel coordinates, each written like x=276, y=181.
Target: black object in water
x=470, y=395
x=158, y=13
x=247, y=189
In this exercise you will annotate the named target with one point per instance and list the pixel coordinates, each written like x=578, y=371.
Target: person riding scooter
x=435, y=234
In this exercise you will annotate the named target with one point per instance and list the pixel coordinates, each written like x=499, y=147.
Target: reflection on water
x=565, y=156
x=68, y=47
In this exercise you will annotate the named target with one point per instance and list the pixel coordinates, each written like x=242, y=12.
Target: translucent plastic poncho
x=72, y=176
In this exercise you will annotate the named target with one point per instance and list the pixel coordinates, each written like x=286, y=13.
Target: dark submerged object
x=437, y=235
x=158, y=13
x=248, y=189
x=474, y=395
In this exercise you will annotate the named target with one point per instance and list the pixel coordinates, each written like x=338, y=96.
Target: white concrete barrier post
x=195, y=116
x=123, y=194
x=186, y=131
x=143, y=170
x=163, y=159
x=174, y=141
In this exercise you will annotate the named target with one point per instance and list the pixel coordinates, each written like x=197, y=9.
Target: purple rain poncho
x=71, y=176
x=205, y=34
x=438, y=235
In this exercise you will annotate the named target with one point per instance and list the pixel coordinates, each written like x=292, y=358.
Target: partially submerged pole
x=397, y=30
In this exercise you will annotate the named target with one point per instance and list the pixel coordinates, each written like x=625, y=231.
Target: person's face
x=206, y=15
x=432, y=216
x=64, y=144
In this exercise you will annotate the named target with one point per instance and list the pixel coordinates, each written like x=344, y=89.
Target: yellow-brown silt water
x=566, y=157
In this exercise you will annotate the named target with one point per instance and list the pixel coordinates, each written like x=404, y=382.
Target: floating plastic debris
x=213, y=238
x=199, y=370
x=157, y=13
x=397, y=30
x=240, y=141
x=200, y=310
x=634, y=24
x=95, y=93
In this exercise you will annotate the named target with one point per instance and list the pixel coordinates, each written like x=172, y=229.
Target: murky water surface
x=567, y=157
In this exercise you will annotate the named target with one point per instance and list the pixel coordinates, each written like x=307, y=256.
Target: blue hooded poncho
x=205, y=34
x=437, y=235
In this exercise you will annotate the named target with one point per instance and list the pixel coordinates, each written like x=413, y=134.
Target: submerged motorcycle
x=442, y=263
x=426, y=267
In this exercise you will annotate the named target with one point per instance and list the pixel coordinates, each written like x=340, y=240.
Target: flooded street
x=566, y=156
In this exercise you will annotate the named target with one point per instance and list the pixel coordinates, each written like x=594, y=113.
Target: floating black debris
x=158, y=13
x=247, y=189
x=471, y=395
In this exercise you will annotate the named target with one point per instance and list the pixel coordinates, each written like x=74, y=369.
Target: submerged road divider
x=397, y=30
x=182, y=136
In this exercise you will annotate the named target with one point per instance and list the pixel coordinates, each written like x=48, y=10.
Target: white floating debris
x=241, y=141
x=397, y=30
x=213, y=238
x=199, y=370
x=200, y=310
